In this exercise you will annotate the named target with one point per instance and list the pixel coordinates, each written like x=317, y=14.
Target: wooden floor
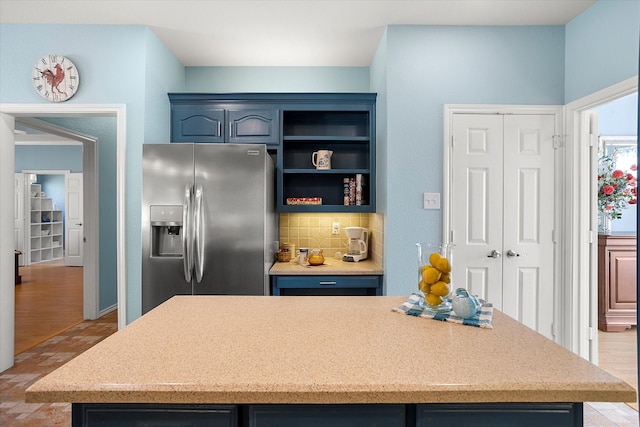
x=48, y=301
x=618, y=355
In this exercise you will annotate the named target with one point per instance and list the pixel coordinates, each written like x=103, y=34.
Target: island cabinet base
x=348, y=415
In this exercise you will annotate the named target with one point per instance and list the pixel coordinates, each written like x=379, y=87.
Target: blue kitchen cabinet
x=294, y=126
x=343, y=124
x=326, y=415
x=197, y=119
x=311, y=285
x=197, y=123
x=132, y=414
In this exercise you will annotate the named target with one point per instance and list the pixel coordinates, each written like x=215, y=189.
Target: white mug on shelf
x=321, y=159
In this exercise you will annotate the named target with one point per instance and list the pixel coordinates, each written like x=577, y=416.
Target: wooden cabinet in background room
x=617, y=274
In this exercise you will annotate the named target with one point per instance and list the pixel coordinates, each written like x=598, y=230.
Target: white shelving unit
x=45, y=229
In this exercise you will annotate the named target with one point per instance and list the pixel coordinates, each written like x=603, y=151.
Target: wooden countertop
x=266, y=349
x=331, y=267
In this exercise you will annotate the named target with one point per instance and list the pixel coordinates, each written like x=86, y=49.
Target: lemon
x=440, y=289
x=430, y=275
x=443, y=265
x=424, y=287
x=433, y=300
x=445, y=278
x=433, y=258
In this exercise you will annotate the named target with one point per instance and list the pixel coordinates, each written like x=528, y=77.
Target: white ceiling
x=285, y=32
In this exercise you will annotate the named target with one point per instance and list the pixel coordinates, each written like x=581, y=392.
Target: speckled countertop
x=266, y=349
x=331, y=267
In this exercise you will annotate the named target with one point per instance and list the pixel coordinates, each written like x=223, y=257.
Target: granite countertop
x=334, y=349
x=331, y=267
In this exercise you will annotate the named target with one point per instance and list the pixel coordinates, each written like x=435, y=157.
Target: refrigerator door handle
x=187, y=246
x=199, y=234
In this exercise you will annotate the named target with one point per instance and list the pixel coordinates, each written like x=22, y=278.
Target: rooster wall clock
x=55, y=78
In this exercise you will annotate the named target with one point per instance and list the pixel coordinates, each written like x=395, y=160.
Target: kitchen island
x=313, y=361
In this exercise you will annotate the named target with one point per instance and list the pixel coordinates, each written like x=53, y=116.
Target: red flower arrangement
x=617, y=189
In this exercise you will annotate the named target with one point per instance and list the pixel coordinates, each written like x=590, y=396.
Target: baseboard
x=107, y=310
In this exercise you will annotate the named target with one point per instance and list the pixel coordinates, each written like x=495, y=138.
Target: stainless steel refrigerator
x=209, y=225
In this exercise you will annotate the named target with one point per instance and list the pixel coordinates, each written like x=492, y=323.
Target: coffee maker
x=358, y=244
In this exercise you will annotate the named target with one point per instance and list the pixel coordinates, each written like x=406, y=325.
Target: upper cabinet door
x=196, y=123
x=253, y=126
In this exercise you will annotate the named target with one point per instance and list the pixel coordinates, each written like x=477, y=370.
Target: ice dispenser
x=166, y=231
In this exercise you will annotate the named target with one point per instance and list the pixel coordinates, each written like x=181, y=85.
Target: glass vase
x=604, y=224
x=434, y=275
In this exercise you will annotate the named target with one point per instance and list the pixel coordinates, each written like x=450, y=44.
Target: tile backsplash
x=313, y=230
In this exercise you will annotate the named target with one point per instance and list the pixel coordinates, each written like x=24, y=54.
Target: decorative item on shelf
x=616, y=190
x=304, y=200
x=434, y=275
x=321, y=159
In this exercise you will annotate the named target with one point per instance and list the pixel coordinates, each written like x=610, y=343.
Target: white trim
x=107, y=310
x=582, y=227
x=46, y=171
x=557, y=111
x=95, y=110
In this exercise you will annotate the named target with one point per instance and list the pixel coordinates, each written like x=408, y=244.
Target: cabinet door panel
x=253, y=126
x=623, y=280
x=196, y=123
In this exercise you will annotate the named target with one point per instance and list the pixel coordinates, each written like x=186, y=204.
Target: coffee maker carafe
x=358, y=244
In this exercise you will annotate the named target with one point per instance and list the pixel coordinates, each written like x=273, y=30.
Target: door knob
x=494, y=254
x=511, y=254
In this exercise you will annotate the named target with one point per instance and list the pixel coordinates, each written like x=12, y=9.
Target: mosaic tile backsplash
x=314, y=231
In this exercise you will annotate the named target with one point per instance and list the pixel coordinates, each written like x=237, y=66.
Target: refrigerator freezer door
x=237, y=193
x=167, y=170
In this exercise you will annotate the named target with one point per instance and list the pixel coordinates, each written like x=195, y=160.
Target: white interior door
x=73, y=235
x=502, y=213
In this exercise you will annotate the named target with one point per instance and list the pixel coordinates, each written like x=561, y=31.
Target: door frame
x=8, y=114
x=447, y=179
x=582, y=231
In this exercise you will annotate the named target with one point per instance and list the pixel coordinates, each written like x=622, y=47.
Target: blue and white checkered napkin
x=412, y=307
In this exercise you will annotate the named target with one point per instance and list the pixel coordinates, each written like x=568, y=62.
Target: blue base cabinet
x=131, y=414
x=347, y=415
x=326, y=285
x=326, y=415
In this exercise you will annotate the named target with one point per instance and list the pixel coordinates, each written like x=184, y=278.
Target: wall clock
x=55, y=78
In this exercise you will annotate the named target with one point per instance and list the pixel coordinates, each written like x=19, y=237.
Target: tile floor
x=36, y=362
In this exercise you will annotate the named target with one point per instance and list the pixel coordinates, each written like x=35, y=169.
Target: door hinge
x=451, y=236
x=593, y=140
x=553, y=329
x=590, y=332
x=452, y=140
x=558, y=141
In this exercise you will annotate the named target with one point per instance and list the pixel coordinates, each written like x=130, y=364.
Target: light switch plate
x=431, y=200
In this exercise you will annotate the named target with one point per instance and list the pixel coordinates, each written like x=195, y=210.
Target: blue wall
x=428, y=67
x=602, y=47
x=124, y=65
x=48, y=157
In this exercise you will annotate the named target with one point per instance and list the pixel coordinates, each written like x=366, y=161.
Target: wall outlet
x=335, y=228
x=431, y=200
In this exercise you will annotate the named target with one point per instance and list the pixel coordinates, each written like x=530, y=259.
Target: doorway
x=8, y=115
